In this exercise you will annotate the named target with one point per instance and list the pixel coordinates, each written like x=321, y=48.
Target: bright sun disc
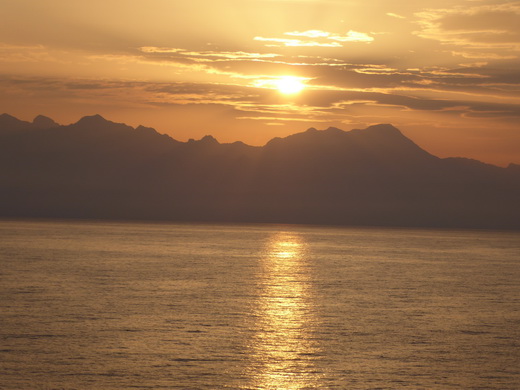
x=289, y=85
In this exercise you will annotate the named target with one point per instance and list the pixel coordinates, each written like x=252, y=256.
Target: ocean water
x=105, y=305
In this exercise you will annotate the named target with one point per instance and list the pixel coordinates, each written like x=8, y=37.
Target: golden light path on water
x=283, y=349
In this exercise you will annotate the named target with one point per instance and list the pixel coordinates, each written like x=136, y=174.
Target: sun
x=289, y=85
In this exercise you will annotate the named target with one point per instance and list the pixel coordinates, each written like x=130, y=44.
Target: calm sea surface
x=98, y=305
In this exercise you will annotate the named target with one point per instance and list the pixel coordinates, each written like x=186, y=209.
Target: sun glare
x=289, y=85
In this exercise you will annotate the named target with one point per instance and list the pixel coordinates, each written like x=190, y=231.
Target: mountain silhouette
x=96, y=168
x=43, y=122
x=9, y=124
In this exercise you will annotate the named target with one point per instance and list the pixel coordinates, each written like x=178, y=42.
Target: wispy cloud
x=279, y=42
x=484, y=54
x=481, y=31
x=317, y=38
x=352, y=36
x=309, y=34
x=395, y=15
x=25, y=53
x=210, y=55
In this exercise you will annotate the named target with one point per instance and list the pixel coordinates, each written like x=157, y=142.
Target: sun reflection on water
x=283, y=349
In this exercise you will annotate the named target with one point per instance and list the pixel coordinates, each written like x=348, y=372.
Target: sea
x=134, y=305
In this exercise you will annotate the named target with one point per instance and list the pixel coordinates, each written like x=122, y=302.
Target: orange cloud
x=483, y=31
x=210, y=55
x=317, y=38
x=278, y=42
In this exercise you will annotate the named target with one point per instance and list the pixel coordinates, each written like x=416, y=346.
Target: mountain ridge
x=9, y=123
x=96, y=168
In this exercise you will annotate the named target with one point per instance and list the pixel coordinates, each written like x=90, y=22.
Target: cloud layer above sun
x=446, y=72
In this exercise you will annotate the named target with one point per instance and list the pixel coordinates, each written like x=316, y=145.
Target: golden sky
x=447, y=73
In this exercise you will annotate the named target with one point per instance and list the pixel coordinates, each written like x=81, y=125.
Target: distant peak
x=274, y=141
x=9, y=122
x=144, y=128
x=334, y=132
x=147, y=130
x=383, y=127
x=7, y=116
x=334, y=129
x=208, y=139
x=43, y=122
x=92, y=120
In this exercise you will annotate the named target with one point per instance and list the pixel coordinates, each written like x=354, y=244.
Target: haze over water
x=99, y=305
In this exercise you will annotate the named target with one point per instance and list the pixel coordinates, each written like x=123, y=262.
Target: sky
x=446, y=73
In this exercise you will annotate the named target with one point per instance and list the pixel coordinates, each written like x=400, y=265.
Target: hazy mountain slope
x=99, y=169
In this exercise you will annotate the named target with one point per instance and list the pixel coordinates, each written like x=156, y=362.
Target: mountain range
x=376, y=176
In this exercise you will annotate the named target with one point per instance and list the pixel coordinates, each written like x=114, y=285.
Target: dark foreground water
x=93, y=305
